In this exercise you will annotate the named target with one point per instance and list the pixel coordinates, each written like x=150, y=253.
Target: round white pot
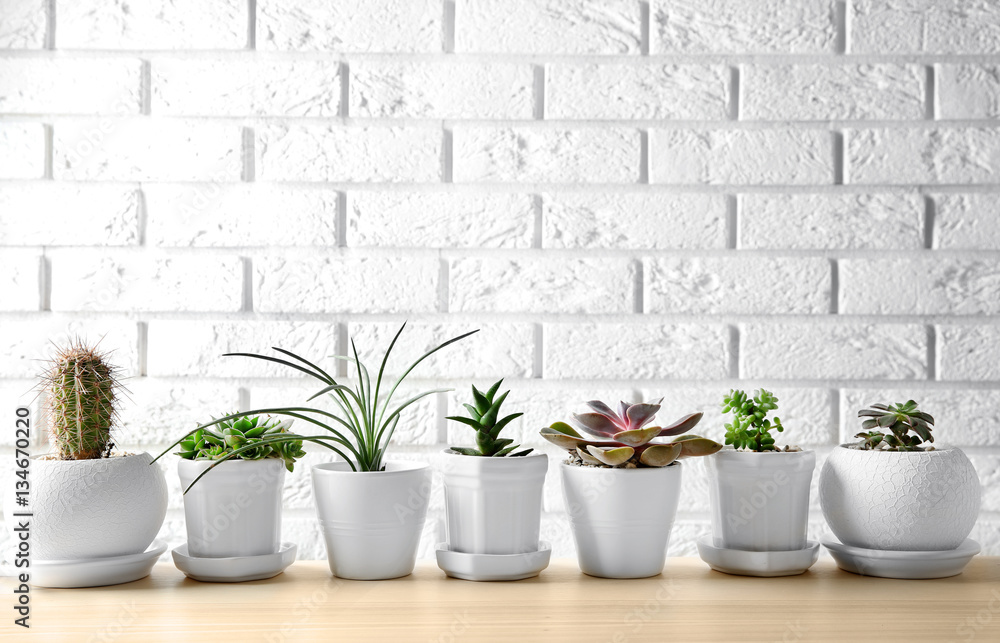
x=760, y=501
x=235, y=510
x=493, y=505
x=905, y=500
x=371, y=521
x=621, y=518
x=91, y=508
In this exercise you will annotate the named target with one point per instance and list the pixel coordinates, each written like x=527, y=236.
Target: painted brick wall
x=632, y=199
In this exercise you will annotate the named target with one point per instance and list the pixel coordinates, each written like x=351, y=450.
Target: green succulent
x=750, y=429
x=900, y=419
x=483, y=420
x=243, y=438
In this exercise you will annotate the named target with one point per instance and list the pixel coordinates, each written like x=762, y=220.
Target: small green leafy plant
x=483, y=420
x=900, y=419
x=253, y=432
x=750, y=429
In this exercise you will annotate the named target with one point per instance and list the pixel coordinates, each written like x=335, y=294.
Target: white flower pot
x=371, y=521
x=234, y=510
x=91, y=508
x=621, y=518
x=760, y=501
x=493, y=505
x=900, y=500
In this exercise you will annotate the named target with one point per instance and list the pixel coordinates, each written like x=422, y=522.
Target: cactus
x=82, y=389
x=483, y=419
x=900, y=419
x=750, y=429
x=625, y=440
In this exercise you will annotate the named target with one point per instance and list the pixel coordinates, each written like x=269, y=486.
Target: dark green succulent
x=483, y=420
x=900, y=420
x=252, y=435
x=750, y=429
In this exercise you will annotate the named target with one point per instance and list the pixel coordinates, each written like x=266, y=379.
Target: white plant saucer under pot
x=236, y=569
x=493, y=567
x=887, y=563
x=764, y=564
x=96, y=572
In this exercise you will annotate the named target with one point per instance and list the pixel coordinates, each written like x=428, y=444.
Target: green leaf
x=465, y=451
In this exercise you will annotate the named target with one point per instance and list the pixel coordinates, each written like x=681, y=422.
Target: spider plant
x=360, y=434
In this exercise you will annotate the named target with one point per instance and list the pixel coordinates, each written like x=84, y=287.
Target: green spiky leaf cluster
x=253, y=432
x=750, y=428
x=900, y=419
x=483, y=420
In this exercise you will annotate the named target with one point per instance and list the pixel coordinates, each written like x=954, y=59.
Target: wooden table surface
x=688, y=602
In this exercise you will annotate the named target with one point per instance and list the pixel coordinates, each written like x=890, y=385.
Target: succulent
x=624, y=440
x=900, y=419
x=483, y=420
x=82, y=389
x=750, y=429
x=250, y=434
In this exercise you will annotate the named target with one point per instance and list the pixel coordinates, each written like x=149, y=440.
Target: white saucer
x=96, y=572
x=758, y=563
x=902, y=564
x=493, y=566
x=236, y=569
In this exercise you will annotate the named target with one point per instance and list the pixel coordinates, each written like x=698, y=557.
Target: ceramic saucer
x=758, y=563
x=493, y=566
x=235, y=569
x=96, y=572
x=902, y=564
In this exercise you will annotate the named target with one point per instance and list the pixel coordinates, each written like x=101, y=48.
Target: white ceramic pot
x=92, y=508
x=371, y=521
x=235, y=510
x=493, y=505
x=760, y=501
x=900, y=500
x=621, y=518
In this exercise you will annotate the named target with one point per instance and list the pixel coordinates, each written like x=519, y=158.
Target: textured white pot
x=906, y=500
x=92, y=508
x=371, y=521
x=235, y=510
x=760, y=501
x=621, y=518
x=493, y=505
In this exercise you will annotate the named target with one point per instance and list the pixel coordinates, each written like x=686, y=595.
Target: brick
x=158, y=24
x=390, y=89
x=19, y=279
x=355, y=154
x=195, y=347
x=631, y=220
x=901, y=156
x=741, y=286
x=826, y=221
x=747, y=157
x=356, y=25
x=825, y=92
x=528, y=155
x=636, y=351
x=966, y=221
x=923, y=26
x=742, y=26
x=15, y=394
x=924, y=286
x=160, y=411
x=215, y=215
x=345, y=284
x=968, y=91
x=968, y=353
x=550, y=26
x=440, y=220
x=183, y=87
x=24, y=24
x=833, y=351
x=986, y=532
x=47, y=213
x=90, y=280
x=145, y=150
x=693, y=92
x=541, y=285
x=988, y=468
x=22, y=151
x=66, y=86
x=32, y=340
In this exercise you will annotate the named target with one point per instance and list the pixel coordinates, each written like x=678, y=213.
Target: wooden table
x=688, y=602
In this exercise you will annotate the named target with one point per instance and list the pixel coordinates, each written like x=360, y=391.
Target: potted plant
x=89, y=501
x=621, y=488
x=493, y=499
x=759, y=493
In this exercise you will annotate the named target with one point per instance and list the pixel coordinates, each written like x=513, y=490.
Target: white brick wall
x=632, y=199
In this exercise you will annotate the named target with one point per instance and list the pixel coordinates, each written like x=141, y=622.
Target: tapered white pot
x=371, y=521
x=493, y=505
x=621, y=518
x=900, y=500
x=91, y=508
x=235, y=509
x=760, y=501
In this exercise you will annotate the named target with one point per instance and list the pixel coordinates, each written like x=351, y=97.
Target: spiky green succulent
x=245, y=438
x=483, y=420
x=624, y=440
x=750, y=429
x=900, y=419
